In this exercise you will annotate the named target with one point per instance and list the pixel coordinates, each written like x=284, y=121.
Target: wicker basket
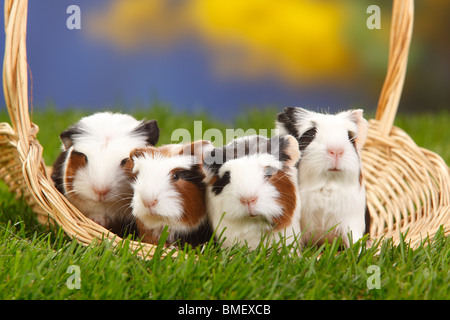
x=408, y=188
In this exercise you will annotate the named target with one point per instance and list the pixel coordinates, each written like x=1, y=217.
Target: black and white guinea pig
x=331, y=184
x=89, y=171
x=169, y=191
x=252, y=190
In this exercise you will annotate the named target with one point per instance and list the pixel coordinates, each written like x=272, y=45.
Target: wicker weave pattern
x=408, y=188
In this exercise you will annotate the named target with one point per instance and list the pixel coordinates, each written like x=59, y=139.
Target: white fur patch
x=331, y=199
x=106, y=140
x=247, y=180
x=154, y=181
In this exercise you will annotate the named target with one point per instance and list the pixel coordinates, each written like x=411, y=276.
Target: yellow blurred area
x=299, y=38
x=293, y=39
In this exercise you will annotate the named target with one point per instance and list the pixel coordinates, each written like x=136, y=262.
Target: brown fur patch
x=139, y=152
x=192, y=191
x=189, y=185
x=128, y=168
x=165, y=151
x=287, y=199
x=76, y=161
x=190, y=148
x=195, y=149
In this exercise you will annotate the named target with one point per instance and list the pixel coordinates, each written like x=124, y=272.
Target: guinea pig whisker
x=119, y=197
x=124, y=209
x=282, y=176
x=70, y=192
x=126, y=200
x=289, y=197
x=67, y=183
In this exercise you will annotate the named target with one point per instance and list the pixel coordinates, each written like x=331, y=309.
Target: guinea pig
x=252, y=192
x=331, y=184
x=89, y=171
x=169, y=191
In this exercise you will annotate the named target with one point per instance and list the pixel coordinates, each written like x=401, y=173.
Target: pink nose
x=336, y=152
x=336, y=155
x=101, y=192
x=150, y=203
x=248, y=201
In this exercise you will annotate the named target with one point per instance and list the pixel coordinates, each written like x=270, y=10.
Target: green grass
x=34, y=259
x=430, y=131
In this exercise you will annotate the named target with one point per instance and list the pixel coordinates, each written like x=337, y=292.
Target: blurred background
x=224, y=56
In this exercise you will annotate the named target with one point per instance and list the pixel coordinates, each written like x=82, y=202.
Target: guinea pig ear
x=289, y=151
x=286, y=121
x=362, y=125
x=287, y=114
x=67, y=136
x=289, y=120
x=197, y=149
x=150, y=130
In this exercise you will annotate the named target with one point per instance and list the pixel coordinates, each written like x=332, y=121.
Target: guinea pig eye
x=270, y=171
x=176, y=176
x=351, y=135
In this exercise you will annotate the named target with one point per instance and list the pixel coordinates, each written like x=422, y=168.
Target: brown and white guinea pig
x=252, y=192
x=89, y=171
x=330, y=172
x=169, y=191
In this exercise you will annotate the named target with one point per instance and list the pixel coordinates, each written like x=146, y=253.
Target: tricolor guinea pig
x=330, y=172
x=252, y=192
x=89, y=171
x=169, y=191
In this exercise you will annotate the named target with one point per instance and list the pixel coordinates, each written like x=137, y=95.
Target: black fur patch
x=283, y=145
x=150, y=130
x=67, y=135
x=218, y=186
x=197, y=237
x=275, y=146
x=194, y=175
x=287, y=118
x=58, y=172
x=306, y=138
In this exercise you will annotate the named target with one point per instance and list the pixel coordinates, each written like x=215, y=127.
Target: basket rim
x=37, y=181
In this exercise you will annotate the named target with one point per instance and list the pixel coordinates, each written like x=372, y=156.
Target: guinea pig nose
x=335, y=152
x=150, y=203
x=101, y=192
x=249, y=201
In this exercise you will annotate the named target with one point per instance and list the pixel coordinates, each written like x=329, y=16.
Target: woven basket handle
x=400, y=39
x=15, y=71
